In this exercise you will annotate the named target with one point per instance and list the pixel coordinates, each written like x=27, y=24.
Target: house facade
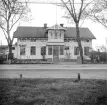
x=55, y=43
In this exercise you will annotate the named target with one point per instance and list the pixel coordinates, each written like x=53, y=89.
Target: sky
x=50, y=14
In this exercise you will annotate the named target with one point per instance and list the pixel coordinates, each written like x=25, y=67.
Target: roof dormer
x=56, y=33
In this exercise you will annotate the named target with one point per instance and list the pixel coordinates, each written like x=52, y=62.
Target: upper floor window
x=22, y=50
x=56, y=34
x=33, y=40
x=22, y=39
x=33, y=50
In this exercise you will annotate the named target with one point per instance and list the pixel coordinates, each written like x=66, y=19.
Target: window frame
x=60, y=50
x=85, y=50
x=44, y=50
x=76, y=51
x=49, y=50
x=22, y=50
x=31, y=50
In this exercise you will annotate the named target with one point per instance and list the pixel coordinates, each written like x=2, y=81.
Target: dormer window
x=56, y=33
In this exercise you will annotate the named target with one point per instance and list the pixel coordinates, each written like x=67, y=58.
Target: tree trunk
x=10, y=51
x=79, y=42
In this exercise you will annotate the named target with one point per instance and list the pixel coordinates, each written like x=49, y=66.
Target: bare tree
x=98, y=12
x=11, y=11
x=102, y=48
x=76, y=13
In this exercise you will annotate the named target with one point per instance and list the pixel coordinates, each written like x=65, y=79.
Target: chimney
x=62, y=25
x=45, y=25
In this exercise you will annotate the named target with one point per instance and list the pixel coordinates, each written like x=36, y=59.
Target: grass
x=53, y=92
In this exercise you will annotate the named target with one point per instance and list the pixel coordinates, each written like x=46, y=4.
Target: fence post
x=79, y=77
x=21, y=76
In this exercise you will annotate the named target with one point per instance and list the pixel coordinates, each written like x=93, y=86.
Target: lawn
x=53, y=92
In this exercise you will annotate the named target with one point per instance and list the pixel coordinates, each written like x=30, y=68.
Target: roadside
x=53, y=66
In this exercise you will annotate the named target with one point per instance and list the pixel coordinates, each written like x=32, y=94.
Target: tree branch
x=80, y=12
x=74, y=10
x=5, y=36
x=70, y=12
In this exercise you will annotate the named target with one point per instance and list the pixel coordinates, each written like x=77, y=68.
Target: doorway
x=55, y=54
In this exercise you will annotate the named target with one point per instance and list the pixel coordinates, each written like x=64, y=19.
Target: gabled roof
x=40, y=32
x=84, y=33
x=29, y=32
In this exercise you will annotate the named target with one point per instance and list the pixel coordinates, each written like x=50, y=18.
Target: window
x=86, y=50
x=76, y=50
x=87, y=40
x=66, y=47
x=22, y=50
x=60, y=35
x=33, y=40
x=55, y=34
x=50, y=34
x=61, y=50
x=43, y=50
x=49, y=50
x=13, y=48
x=33, y=50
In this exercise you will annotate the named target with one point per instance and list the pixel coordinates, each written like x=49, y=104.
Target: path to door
x=54, y=71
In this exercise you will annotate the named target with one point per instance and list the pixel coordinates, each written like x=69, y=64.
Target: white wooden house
x=59, y=42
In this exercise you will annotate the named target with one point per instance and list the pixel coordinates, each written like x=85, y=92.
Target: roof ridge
x=47, y=27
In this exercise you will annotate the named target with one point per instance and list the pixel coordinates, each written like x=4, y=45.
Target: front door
x=55, y=54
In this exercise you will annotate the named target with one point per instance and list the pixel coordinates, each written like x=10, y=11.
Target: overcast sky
x=49, y=13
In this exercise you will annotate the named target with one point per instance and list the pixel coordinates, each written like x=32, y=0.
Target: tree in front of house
x=75, y=11
x=11, y=11
x=43, y=52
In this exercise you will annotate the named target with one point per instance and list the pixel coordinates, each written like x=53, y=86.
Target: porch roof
x=56, y=43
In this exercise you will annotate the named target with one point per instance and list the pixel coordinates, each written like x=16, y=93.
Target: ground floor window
x=22, y=50
x=76, y=50
x=49, y=50
x=86, y=50
x=66, y=47
x=33, y=50
x=43, y=50
x=61, y=50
